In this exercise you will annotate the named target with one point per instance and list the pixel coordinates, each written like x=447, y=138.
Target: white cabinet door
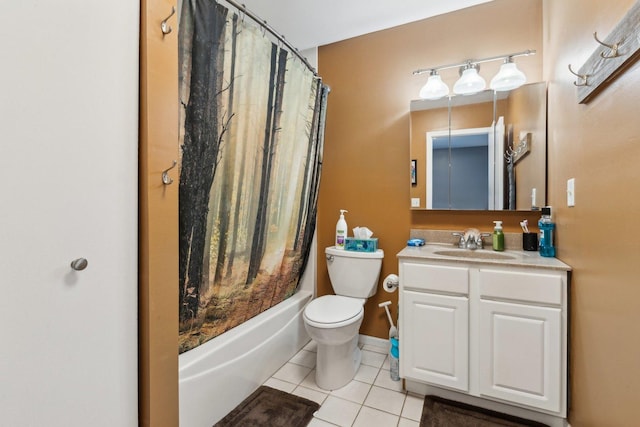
x=436, y=339
x=520, y=353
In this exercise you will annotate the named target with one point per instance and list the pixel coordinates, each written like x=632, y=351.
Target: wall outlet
x=571, y=192
x=415, y=202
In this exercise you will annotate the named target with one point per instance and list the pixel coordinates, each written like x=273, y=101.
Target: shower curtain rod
x=243, y=9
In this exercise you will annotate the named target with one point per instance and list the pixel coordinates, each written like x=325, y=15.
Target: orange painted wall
x=598, y=144
x=366, y=154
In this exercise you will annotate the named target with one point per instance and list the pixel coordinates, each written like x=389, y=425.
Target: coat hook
x=582, y=77
x=166, y=179
x=614, y=48
x=166, y=29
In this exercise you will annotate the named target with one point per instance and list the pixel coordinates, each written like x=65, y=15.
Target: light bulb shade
x=435, y=88
x=508, y=78
x=469, y=83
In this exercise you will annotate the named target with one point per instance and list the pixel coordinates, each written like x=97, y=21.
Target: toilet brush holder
x=394, y=360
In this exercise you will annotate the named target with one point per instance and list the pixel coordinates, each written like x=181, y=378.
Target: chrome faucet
x=471, y=239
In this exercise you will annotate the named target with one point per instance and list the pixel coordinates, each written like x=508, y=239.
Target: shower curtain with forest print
x=252, y=120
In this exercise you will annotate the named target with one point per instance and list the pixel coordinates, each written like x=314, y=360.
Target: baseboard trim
x=375, y=341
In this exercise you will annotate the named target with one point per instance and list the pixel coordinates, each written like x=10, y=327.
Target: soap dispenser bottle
x=498, y=236
x=341, y=230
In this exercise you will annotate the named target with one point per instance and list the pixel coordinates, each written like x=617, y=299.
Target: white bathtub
x=219, y=374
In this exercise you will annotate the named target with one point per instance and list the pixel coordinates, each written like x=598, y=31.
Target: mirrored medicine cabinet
x=485, y=151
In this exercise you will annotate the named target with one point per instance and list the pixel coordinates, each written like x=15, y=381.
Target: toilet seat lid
x=330, y=309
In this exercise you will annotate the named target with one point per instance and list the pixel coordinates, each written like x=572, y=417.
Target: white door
x=68, y=190
x=436, y=343
x=520, y=353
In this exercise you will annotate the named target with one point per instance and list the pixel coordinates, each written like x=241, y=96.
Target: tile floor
x=371, y=399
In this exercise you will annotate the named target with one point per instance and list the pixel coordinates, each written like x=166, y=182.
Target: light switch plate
x=415, y=202
x=571, y=192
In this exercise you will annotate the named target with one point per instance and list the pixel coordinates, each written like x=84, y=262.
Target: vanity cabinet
x=491, y=331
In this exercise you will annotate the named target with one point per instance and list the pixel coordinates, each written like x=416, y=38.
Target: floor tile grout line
x=387, y=412
x=365, y=399
x=326, y=393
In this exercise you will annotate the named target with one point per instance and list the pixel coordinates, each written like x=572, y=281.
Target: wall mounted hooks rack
x=612, y=57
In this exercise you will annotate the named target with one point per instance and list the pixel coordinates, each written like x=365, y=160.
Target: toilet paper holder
x=391, y=283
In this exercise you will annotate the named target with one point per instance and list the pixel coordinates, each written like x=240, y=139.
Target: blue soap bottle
x=546, y=226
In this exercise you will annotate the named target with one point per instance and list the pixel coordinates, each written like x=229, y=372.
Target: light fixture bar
x=474, y=61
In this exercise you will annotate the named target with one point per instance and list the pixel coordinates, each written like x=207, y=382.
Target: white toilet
x=333, y=321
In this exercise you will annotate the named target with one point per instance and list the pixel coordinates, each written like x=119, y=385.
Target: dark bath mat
x=439, y=412
x=268, y=407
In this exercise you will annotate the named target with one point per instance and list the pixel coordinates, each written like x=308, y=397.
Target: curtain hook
x=166, y=29
x=613, y=47
x=582, y=77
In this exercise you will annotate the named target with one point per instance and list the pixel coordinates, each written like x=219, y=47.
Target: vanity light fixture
x=470, y=82
x=508, y=78
x=435, y=88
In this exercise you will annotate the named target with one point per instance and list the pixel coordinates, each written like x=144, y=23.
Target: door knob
x=79, y=264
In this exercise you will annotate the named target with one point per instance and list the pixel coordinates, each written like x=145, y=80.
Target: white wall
x=316, y=23
x=311, y=55
x=68, y=147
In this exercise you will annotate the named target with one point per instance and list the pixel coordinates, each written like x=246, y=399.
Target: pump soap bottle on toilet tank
x=341, y=230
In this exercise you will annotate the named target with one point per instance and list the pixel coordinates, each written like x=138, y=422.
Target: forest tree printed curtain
x=252, y=119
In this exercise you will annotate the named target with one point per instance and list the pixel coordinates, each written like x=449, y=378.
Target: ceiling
x=309, y=23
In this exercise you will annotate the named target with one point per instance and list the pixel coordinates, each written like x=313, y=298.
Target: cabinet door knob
x=79, y=264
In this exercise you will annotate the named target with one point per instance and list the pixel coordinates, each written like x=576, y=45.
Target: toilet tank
x=354, y=274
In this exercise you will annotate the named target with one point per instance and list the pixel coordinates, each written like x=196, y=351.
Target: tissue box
x=361, y=245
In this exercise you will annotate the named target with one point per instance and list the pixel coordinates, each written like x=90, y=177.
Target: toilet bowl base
x=336, y=365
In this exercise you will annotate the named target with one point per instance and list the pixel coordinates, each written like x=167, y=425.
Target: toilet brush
x=393, y=331
x=394, y=354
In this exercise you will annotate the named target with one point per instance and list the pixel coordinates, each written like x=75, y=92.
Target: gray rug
x=439, y=412
x=268, y=407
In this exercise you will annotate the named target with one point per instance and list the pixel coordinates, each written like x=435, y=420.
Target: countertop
x=512, y=257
